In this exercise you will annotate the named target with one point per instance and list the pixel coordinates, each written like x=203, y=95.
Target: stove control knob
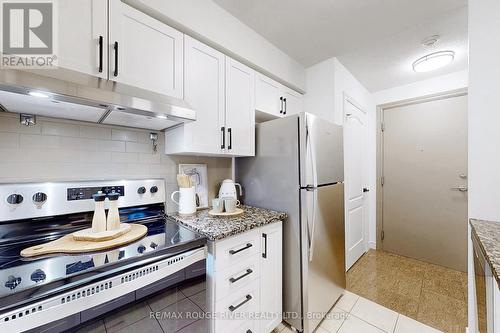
x=141, y=190
x=15, y=199
x=153, y=189
x=141, y=248
x=153, y=245
x=12, y=282
x=38, y=276
x=39, y=197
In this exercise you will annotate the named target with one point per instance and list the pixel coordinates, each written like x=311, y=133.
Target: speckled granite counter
x=215, y=228
x=488, y=234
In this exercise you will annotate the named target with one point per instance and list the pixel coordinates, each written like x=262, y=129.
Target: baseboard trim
x=372, y=245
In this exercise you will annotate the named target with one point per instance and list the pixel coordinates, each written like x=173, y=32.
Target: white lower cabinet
x=244, y=279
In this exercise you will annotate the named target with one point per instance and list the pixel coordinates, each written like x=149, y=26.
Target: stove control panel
x=35, y=200
x=85, y=193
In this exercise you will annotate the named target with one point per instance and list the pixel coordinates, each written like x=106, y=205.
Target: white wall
x=327, y=83
x=320, y=96
x=206, y=21
x=436, y=85
x=484, y=118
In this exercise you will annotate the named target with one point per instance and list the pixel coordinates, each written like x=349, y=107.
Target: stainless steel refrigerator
x=299, y=169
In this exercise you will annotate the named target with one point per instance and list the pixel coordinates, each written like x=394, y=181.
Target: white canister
x=187, y=200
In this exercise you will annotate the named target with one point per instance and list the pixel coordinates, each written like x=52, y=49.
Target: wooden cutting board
x=67, y=244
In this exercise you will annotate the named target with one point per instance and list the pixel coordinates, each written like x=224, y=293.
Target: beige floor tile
x=356, y=325
x=375, y=314
x=442, y=312
x=347, y=301
x=334, y=320
x=408, y=325
x=446, y=282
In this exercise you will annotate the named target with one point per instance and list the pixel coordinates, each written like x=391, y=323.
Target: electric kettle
x=228, y=189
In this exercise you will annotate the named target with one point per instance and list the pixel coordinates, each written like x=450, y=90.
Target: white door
x=271, y=284
x=268, y=98
x=425, y=181
x=144, y=52
x=355, y=178
x=240, y=109
x=204, y=91
x=292, y=102
x=84, y=49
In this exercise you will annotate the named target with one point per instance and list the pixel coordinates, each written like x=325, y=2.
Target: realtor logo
x=28, y=34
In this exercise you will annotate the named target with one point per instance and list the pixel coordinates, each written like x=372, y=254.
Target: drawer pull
x=249, y=331
x=249, y=245
x=233, y=280
x=232, y=308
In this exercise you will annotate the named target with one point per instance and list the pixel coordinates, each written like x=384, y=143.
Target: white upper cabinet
x=274, y=100
x=85, y=48
x=221, y=91
x=204, y=92
x=240, y=109
x=267, y=96
x=292, y=102
x=144, y=52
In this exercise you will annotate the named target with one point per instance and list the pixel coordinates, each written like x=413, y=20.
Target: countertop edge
x=211, y=238
x=486, y=254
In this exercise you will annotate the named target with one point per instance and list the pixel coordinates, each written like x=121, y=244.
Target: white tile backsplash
x=55, y=150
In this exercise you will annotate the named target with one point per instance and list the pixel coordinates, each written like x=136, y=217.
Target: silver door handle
x=460, y=188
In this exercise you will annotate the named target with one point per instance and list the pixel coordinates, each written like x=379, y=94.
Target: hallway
x=431, y=294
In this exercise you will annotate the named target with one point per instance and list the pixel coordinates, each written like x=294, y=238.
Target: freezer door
x=323, y=159
x=323, y=260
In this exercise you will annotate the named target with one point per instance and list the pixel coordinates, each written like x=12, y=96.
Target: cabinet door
x=144, y=52
x=267, y=96
x=240, y=109
x=85, y=48
x=293, y=102
x=204, y=91
x=271, y=276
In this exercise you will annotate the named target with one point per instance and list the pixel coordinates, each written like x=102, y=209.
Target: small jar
x=113, y=221
x=99, y=218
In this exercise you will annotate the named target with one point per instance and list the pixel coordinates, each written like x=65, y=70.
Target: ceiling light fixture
x=38, y=94
x=433, y=61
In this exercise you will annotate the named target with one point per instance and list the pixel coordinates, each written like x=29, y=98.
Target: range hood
x=66, y=94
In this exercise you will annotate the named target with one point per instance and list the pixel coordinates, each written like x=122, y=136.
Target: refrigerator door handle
x=312, y=224
x=312, y=154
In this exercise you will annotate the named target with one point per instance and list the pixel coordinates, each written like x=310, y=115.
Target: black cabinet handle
x=249, y=331
x=223, y=130
x=232, y=308
x=281, y=104
x=101, y=41
x=230, y=131
x=249, y=245
x=284, y=110
x=116, y=59
x=233, y=280
x=264, y=255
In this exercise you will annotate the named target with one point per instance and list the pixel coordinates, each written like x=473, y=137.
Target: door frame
x=380, y=149
x=349, y=99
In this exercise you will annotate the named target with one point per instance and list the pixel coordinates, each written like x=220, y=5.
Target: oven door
x=70, y=309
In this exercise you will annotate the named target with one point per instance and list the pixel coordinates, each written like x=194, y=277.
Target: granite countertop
x=215, y=228
x=488, y=234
